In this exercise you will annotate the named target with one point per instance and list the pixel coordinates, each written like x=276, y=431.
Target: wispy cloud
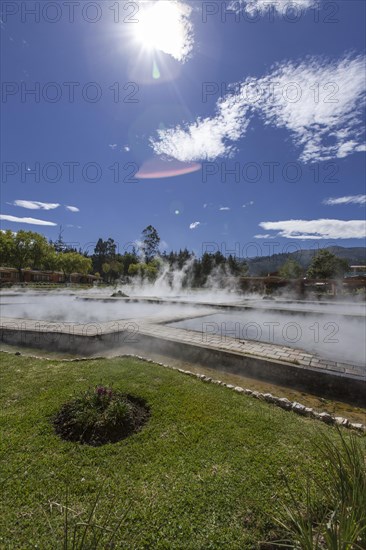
x=202, y=140
x=31, y=221
x=317, y=229
x=223, y=208
x=250, y=203
x=320, y=102
x=266, y=236
x=194, y=225
x=351, y=199
x=113, y=146
x=208, y=138
x=35, y=205
x=263, y=6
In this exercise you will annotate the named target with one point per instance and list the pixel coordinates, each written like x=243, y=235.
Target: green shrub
x=100, y=415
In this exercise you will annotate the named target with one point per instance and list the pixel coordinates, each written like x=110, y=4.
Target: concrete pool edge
x=266, y=362
x=281, y=402
x=267, y=306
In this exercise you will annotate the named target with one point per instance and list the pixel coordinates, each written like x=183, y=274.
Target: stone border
x=281, y=402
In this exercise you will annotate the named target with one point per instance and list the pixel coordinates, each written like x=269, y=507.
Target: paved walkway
x=250, y=347
x=157, y=327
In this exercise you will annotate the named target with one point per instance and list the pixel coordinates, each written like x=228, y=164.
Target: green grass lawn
x=205, y=472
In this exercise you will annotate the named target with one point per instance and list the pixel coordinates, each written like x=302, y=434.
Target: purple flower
x=102, y=391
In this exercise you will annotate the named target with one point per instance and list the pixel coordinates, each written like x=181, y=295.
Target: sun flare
x=165, y=26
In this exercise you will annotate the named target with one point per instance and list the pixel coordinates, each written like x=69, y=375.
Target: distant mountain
x=263, y=265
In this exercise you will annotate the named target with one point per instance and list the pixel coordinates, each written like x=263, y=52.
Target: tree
x=150, y=243
x=59, y=245
x=128, y=259
x=6, y=247
x=290, y=270
x=148, y=271
x=106, y=269
x=51, y=261
x=326, y=265
x=207, y=264
x=72, y=262
x=112, y=270
x=104, y=252
x=236, y=267
x=28, y=249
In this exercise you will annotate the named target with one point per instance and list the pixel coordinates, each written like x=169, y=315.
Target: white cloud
x=112, y=146
x=250, y=203
x=31, y=221
x=194, y=225
x=320, y=102
x=222, y=208
x=35, y=205
x=317, y=229
x=351, y=199
x=209, y=138
x=263, y=6
x=266, y=236
x=72, y=208
x=126, y=148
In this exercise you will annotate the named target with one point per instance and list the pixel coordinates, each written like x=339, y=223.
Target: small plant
x=340, y=522
x=83, y=530
x=100, y=415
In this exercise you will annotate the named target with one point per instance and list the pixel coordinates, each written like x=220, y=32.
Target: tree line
x=148, y=262
x=28, y=249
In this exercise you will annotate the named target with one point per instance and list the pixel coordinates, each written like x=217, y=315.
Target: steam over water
x=70, y=309
x=335, y=331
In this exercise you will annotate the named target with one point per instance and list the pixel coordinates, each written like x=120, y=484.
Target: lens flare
x=157, y=168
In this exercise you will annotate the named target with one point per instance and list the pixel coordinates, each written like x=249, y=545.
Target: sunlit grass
x=206, y=471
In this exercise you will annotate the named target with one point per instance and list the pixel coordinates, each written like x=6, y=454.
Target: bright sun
x=164, y=26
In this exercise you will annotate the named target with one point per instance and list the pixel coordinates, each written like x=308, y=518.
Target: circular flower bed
x=101, y=415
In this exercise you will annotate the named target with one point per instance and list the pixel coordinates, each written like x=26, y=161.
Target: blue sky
x=254, y=117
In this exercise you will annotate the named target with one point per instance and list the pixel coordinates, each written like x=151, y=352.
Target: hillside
x=266, y=264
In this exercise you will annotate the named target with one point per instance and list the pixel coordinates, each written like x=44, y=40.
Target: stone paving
x=157, y=327
x=273, y=352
